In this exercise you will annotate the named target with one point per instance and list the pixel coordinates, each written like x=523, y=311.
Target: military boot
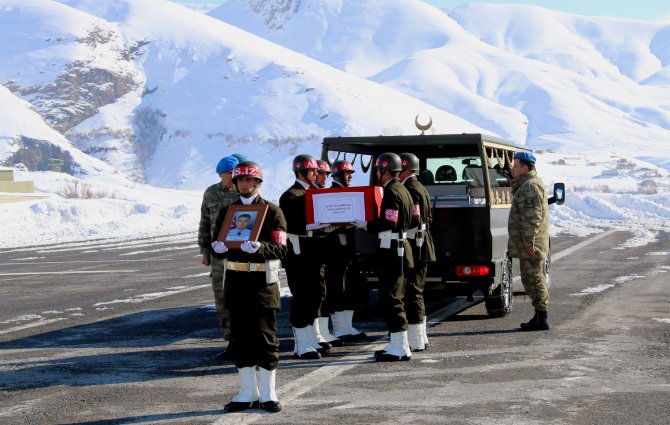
x=539, y=322
x=396, y=350
x=248, y=396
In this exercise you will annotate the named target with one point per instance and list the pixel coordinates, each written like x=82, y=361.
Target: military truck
x=468, y=179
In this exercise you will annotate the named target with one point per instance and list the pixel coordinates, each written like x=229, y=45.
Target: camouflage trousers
x=534, y=282
x=222, y=312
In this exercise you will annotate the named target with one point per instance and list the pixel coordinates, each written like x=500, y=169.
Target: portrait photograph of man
x=241, y=226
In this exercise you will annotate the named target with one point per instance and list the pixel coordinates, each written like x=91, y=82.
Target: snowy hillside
x=135, y=95
x=240, y=90
x=549, y=79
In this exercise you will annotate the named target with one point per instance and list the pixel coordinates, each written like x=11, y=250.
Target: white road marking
x=31, y=325
x=151, y=296
x=68, y=272
x=582, y=244
x=143, y=260
x=593, y=290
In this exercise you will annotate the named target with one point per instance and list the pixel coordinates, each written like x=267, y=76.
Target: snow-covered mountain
x=149, y=91
x=550, y=79
x=159, y=91
x=201, y=88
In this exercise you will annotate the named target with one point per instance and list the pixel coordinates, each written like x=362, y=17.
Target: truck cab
x=468, y=179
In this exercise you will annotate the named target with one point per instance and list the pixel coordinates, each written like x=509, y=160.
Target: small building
x=7, y=183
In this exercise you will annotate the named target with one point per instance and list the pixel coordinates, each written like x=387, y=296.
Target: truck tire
x=499, y=303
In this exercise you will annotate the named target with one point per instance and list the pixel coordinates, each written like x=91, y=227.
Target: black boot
x=539, y=322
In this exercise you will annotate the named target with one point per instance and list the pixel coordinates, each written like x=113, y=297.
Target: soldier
x=303, y=264
x=340, y=296
x=528, y=229
x=217, y=197
x=322, y=173
x=252, y=295
x=394, y=255
x=423, y=252
x=324, y=338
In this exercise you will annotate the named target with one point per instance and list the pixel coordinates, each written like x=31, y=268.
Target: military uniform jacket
x=423, y=210
x=292, y=203
x=215, y=198
x=272, y=237
x=395, y=215
x=528, y=224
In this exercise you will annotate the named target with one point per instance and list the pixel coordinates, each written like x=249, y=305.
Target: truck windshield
x=456, y=178
x=454, y=170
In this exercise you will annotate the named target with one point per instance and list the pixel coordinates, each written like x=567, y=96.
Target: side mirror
x=559, y=194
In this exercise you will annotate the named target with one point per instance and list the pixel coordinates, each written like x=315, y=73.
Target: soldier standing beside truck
x=528, y=229
x=394, y=255
x=423, y=251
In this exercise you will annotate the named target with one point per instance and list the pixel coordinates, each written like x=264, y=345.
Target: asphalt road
x=108, y=332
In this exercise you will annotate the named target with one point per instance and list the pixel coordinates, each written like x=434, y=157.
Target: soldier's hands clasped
x=219, y=247
x=250, y=246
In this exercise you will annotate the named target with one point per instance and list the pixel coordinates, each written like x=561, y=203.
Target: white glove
x=219, y=247
x=250, y=246
x=361, y=224
x=313, y=226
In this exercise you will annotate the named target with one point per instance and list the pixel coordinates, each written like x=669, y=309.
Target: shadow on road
x=150, y=418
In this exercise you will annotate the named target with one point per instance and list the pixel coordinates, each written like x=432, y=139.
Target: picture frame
x=242, y=223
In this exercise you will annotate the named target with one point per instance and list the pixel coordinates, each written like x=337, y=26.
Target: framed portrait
x=242, y=223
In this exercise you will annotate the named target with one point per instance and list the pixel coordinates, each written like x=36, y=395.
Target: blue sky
x=634, y=9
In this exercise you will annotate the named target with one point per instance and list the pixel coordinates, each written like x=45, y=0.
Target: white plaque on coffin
x=339, y=207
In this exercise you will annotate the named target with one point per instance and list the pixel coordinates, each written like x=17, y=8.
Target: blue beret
x=227, y=163
x=525, y=157
x=240, y=157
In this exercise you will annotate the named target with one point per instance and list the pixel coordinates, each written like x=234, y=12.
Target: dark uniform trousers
x=415, y=308
x=338, y=259
x=253, y=302
x=416, y=276
x=396, y=216
x=304, y=271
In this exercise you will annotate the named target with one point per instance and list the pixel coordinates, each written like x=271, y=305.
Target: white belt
x=411, y=233
x=387, y=236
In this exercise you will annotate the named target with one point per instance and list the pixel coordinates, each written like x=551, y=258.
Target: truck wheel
x=499, y=303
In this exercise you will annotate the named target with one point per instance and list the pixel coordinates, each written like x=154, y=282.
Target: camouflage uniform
x=215, y=199
x=528, y=226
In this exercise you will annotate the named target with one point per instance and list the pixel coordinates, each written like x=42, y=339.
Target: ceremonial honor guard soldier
x=423, y=252
x=303, y=262
x=252, y=295
x=394, y=254
x=340, y=297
